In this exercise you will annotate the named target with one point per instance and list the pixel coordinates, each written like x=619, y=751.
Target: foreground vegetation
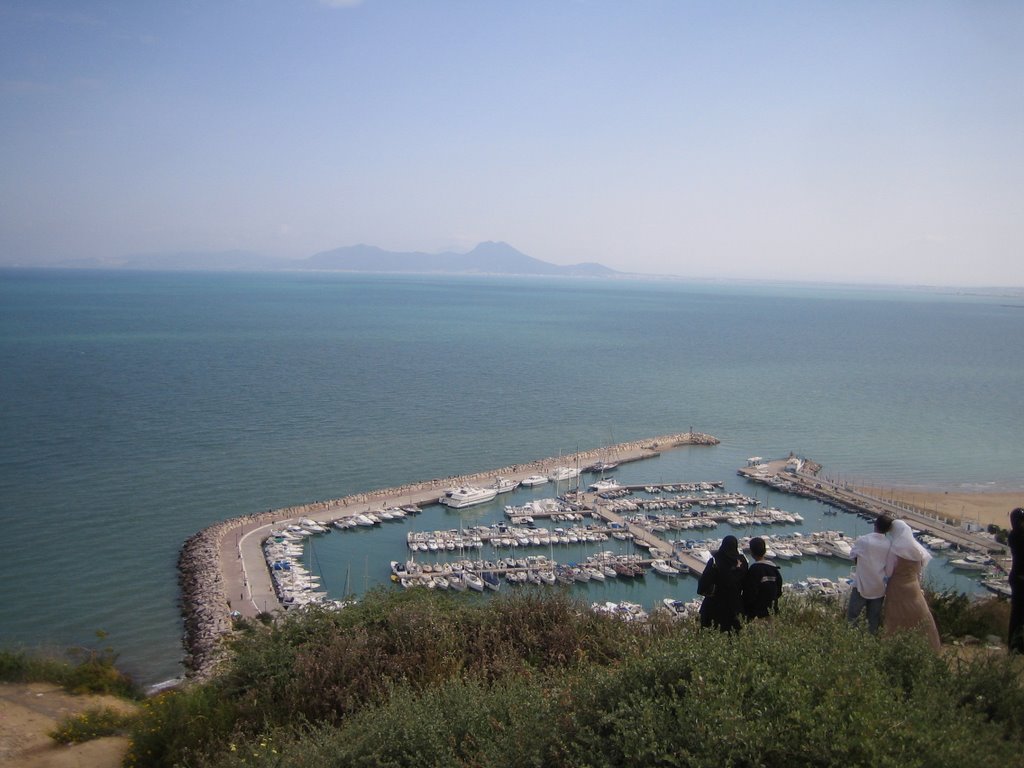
x=418, y=678
x=83, y=670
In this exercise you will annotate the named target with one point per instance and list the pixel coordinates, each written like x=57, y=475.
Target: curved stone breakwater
x=205, y=605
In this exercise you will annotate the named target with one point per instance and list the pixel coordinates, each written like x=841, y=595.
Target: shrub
x=20, y=667
x=91, y=724
x=180, y=726
x=427, y=680
x=991, y=687
x=959, y=615
x=93, y=672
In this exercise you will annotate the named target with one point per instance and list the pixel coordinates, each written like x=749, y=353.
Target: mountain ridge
x=489, y=257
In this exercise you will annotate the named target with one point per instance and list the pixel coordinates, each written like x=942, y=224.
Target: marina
x=658, y=543
x=626, y=541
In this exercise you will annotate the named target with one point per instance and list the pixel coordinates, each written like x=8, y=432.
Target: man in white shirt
x=871, y=554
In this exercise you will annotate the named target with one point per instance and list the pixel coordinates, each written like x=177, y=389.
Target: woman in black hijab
x=1016, y=542
x=721, y=584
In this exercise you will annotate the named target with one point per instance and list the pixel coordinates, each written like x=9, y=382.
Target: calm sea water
x=139, y=407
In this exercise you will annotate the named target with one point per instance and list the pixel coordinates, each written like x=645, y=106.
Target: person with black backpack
x=762, y=586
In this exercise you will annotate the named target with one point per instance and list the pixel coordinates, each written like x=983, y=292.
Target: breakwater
x=212, y=568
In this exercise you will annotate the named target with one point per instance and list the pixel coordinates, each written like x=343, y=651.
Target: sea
x=137, y=408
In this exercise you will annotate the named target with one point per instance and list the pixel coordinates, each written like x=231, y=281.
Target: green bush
x=990, y=686
x=20, y=667
x=91, y=724
x=92, y=672
x=958, y=615
x=181, y=726
x=539, y=681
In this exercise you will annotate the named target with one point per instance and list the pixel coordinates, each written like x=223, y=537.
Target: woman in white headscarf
x=905, y=606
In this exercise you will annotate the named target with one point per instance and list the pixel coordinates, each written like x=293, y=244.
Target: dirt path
x=28, y=712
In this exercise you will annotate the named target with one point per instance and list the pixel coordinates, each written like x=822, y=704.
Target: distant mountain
x=487, y=258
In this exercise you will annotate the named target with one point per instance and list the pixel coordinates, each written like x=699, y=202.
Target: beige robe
x=905, y=606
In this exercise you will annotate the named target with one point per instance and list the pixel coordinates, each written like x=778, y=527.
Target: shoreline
x=982, y=507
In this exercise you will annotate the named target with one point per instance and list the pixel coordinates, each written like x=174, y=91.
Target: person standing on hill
x=721, y=584
x=762, y=586
x=905, y=605
x=871, y=553
x=1015, y=638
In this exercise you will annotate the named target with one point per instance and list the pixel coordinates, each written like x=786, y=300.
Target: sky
x=878, y=142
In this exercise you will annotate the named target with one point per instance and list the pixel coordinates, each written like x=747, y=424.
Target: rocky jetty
x=205, y=607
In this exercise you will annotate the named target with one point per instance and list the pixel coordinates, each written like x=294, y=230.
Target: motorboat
x=971, y=563
x=563, y=473
x=533, y=480
x=676, y=608
x=467, y=496
x=504, y=484
x=605, y=484
x=662, y=567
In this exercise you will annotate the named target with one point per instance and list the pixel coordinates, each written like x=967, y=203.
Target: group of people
x=731, y=587
x=889, y=563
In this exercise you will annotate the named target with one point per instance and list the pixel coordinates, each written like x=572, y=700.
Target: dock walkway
x=810, y=485
x=654, y=542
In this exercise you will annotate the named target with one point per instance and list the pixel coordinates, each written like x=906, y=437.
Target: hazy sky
x=849, y=141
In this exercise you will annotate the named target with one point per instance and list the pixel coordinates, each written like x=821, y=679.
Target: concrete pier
x=806, y=482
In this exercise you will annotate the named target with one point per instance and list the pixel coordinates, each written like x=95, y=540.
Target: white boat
x=841, y=548
x=607, y=484
x=704, y=555
x=473, y=581
x=533, y=480
x=563, y=473
x=676, y=608
x=662, y=567
x=467, y=496
x=971, y=563
x=457, y=582
x=504, y=484
x=623, y=610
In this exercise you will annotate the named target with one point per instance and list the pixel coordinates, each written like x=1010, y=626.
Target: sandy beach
x=983, y=508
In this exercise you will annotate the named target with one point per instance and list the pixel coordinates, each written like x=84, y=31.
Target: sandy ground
x=28, y=712
x=983, y=508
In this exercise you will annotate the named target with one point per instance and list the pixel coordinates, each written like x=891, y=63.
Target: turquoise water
x=139, y=407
